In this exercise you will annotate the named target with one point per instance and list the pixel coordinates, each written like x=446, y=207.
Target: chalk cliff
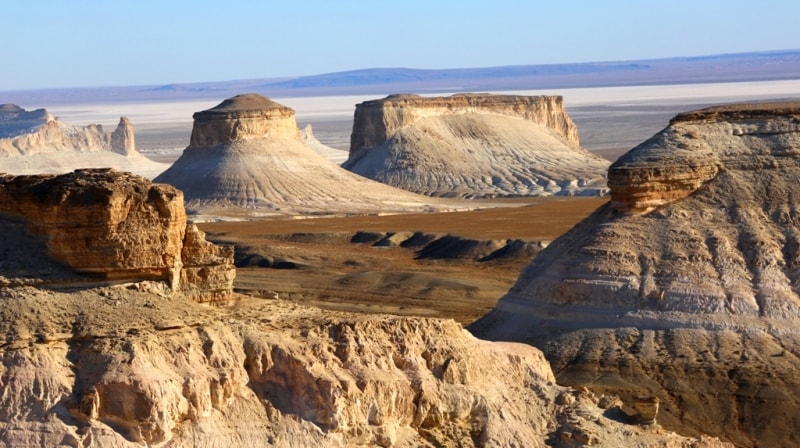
x=473, y=145
x=112, y=367
x=34, y=142
x=689, y=276
x=246, y=156
x=118, y=226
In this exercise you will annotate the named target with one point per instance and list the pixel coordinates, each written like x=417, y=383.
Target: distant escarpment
x=33, y=142
x=246, y=156
x=687, y=282
x=473, y=145
x=114, y=226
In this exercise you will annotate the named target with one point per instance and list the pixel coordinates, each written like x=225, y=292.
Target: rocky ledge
x=118, y=226
x=242, y=117
x=697, y=300
x=697, y=145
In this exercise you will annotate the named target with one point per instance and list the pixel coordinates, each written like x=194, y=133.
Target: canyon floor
x=316, y=261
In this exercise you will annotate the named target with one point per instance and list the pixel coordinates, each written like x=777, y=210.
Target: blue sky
x=60, y=43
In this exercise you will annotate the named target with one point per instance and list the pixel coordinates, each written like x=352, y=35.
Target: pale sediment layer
x=690, y=274
x=36, y=142
x=247, y=158
x=473, y=146
x=121, y=367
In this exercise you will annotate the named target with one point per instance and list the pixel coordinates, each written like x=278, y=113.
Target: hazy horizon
x=70, y=45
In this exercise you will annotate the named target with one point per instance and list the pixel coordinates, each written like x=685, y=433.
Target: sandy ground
x=330, y=271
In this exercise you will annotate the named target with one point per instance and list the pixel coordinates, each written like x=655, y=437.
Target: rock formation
x=246, y=156
x=111, y=367
x=473, y=145
x=686, y=285
x=35, y=142
x=118, y=226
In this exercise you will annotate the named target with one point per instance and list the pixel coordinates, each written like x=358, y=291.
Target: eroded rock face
x=242, y=117
x=246, y=157
x=37, y=142
x=697, y=145
x=378, y=120
x=272, y=373
x=120, y=227
x=474, y=146
x=696, y=299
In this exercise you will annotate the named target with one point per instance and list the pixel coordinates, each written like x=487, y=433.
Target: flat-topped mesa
x=243, y=117
x=697, y=145
x=120, y=226
x=377, y=120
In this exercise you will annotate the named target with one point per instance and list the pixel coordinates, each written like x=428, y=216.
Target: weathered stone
x=242, y=117
x=120, y=227
x=268, y=372
x=378, y=120
x=246, y=156
x=698, y=145
x=37, y=142
x=473, y=146
x=693, y=301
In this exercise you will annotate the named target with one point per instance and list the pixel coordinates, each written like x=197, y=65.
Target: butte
x=246, y=156
x=474, y=146
x=687, y=284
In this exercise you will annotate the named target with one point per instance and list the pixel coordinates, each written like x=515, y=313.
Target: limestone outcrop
x=129, y=371
x=118, y=226
x=689, y=276
x=473, y=145
x=246, y=156
x=702, y=143
x=36, y=142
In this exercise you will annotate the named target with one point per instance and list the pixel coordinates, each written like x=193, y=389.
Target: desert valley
x=612, y=265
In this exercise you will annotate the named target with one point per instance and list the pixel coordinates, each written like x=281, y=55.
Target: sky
x=59, y=43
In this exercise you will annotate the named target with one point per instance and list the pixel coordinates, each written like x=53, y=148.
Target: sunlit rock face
x=243, y=117
x=697, y=145
x=36, y=142
x=687, y=282
x=474, y=146
x=120, y=227
x=247, y=157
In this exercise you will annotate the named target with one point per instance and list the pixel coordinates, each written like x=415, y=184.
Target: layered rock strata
x=246, y=156
x=119, y=226
x=473, y=145
x=33, y=142
x=122, y=373
x=696, y=299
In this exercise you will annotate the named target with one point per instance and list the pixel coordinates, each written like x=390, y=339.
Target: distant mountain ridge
x=733, y=67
